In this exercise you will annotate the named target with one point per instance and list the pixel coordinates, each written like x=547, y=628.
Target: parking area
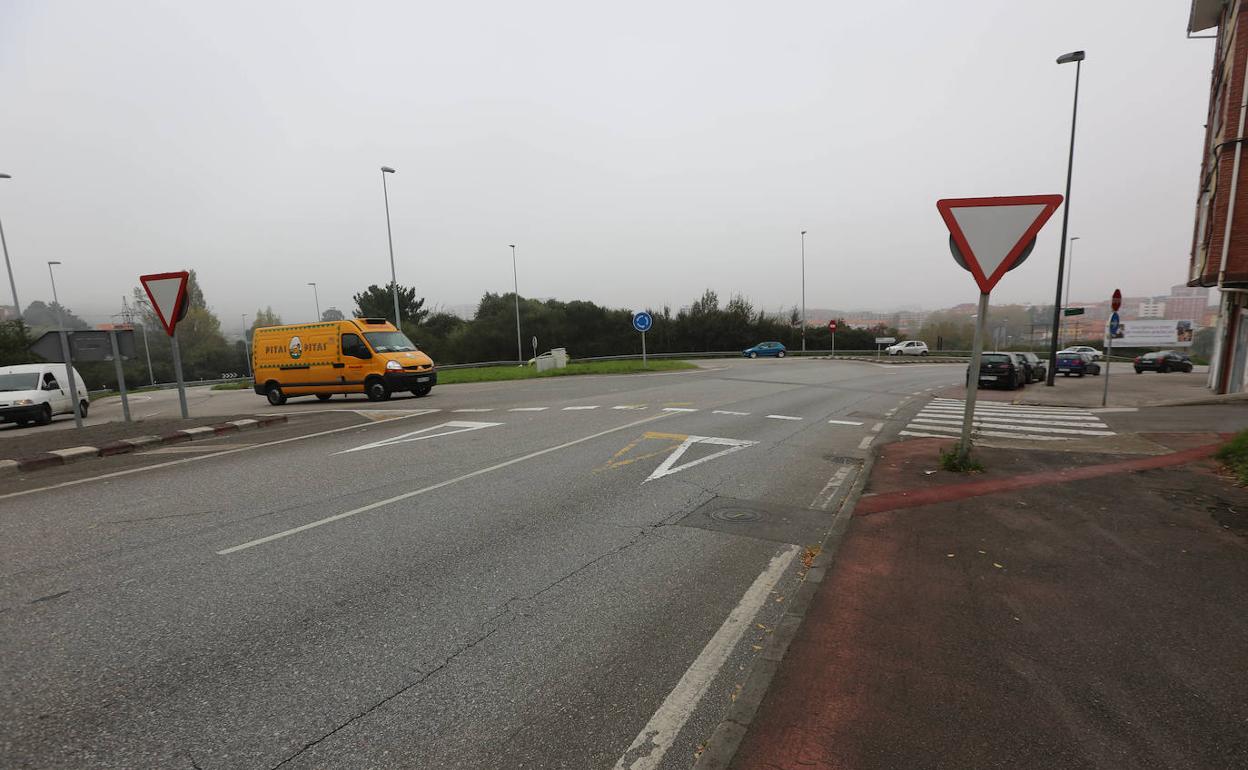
x=1126, y=389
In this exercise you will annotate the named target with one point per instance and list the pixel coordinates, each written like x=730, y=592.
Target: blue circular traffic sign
x=1113, y=325
x=642, y=321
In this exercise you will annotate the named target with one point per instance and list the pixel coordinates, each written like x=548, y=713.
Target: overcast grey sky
x=636, y=152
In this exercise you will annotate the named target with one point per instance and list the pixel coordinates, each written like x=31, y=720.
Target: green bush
x=1234, y=455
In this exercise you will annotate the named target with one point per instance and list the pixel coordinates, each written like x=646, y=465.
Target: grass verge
x=1234, y=455
x=499, y=373
x=233, y=385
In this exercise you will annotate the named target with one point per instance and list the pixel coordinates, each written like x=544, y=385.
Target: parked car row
x=1009, y=370
x=1163, y=361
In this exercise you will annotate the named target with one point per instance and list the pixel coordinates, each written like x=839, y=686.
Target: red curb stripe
x=892, y=501
x=174, y=438
x=224, y=427
x=39, y=461
x=116, y=448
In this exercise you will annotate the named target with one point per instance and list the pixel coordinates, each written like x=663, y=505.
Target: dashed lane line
x=843, y=422
x=782, y=417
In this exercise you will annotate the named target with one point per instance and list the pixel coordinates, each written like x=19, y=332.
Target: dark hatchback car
x=1163, y=361
x=1077, y=364
x=1001, y=370
x=1035, y=368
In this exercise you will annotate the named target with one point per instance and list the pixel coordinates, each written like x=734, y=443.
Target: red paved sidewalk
x=1095, y=622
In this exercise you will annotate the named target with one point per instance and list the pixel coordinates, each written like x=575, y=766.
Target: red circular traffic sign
x=1117, y=300
x=831, y=326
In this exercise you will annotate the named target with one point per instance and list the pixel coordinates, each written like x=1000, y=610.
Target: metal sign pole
x=833, y=343
x=69, y=374
x=177, y=373
x=972, y=379
x=643, y=351
x=1109, y=351
x=121, y=376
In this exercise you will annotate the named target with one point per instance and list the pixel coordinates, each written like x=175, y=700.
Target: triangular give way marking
x=435, y=431
x=669, y=466
x=993, y=234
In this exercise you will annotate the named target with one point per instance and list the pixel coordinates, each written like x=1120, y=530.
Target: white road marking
x=1011, y=407
x=891, y=412
x=926, y=422
x=1109, y=409
x=1072, y=415
x=991, y=417
x=529, y=409
x=678, y=409
x=631, y=407
x=669, y=467
x=578, y=408
x=782, y=417
x=843, y=422
x=879, y=426
x=995, y=433
x=866, y=442
x=446, y=428
x=432, y=487
x=128, y=471
x=824, y=498
x=657, y=736
x=922, y=435
x=734, y=414
x=461, y=411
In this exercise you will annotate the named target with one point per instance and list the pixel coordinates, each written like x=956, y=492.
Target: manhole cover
x=735, y=515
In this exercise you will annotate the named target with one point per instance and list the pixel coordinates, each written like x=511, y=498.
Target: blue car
x=775, y=349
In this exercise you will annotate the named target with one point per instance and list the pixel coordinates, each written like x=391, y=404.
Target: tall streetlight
x=317, y=297
x=1070, y=274
x=516, y=286
x=803, y=291
x=394, y=282
x=1077, y=57
x=69, y=364
x=17, y=306
x=246, y=350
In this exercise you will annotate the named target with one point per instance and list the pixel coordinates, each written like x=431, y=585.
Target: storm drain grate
x=735, y=515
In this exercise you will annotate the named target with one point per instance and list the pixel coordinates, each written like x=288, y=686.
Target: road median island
x=1047, y=624
x=50, y=449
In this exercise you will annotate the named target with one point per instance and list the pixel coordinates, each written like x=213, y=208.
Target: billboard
x=1154, y=334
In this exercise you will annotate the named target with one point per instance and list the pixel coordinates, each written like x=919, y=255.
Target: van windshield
x=19, y=381
x=389, y=342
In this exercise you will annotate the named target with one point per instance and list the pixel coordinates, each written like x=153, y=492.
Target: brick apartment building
x=1219, y=257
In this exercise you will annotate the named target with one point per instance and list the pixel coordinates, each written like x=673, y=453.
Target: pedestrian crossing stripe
x=942, y=418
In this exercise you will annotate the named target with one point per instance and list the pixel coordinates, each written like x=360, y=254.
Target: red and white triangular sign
x=167, y=291
x=992, y=233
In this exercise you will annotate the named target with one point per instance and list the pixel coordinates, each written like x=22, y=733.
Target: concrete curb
x=722, y=746
x=58, y=457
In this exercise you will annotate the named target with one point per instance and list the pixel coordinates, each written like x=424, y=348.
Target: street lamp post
x=1077, y=57
x=246, y=349
x=17, y=306
x=394, y=281
x=69, y=364
x=1070, y=274
x=516, y=288
x=317, y=297
x=803, y=291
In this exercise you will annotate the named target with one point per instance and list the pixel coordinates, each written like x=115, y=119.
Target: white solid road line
x=678, y=409
x=843, y=422
x=578, y=408
x=529, y=409
x=127, y=472
x=866, y=442
x=651, y=744
x=782, y=417
x=433, y=487
x=734, y=414
x=464, y=411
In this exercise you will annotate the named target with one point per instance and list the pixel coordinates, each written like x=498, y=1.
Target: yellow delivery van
x=359, y=355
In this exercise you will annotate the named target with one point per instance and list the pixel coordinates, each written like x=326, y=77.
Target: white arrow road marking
x=447, y=428
x=668, y=466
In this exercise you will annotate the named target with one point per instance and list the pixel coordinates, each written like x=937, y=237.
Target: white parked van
x=35, y=392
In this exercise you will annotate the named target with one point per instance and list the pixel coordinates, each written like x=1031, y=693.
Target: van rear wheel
x=45, y=415
x=83, y=406
x=376, y=390
x=323, y=396
x=274, y=394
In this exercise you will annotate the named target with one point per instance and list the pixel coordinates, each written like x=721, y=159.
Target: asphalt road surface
x=565, y=573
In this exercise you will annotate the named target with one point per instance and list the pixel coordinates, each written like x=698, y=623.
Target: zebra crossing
x=942, y=418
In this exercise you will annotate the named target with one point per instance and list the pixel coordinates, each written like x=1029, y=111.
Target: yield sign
x=993, y=234
x=167, y=291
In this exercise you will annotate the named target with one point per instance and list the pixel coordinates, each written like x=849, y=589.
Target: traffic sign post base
x=177, y=373
x=121, y=376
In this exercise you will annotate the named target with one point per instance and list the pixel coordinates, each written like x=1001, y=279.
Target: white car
x=907, y=348
x=35, y=392
x=1096, y=354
